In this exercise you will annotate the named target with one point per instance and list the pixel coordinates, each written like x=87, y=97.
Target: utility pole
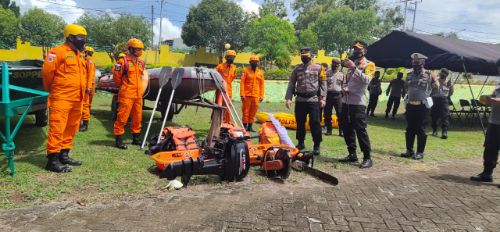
x=414, y=14
x=159, y=39
x=406, y=10
x=153, y=27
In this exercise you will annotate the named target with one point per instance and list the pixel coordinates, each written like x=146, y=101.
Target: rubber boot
x=316, y=149
x=421, y=142
x=135, y=139
x=444, y=134
x=301, y=145
x=64, y=158
x=486, y=175
x=54, y=165
x=410, y=141
x=119, y=142
x=84, y=126
x=250, y=128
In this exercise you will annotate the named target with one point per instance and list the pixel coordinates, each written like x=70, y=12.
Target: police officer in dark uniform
x=375, y=89
x=420, y=83
x=440, y=109
x=308, y=83
x=353, y=117
x=333, y=98
x=395, y=91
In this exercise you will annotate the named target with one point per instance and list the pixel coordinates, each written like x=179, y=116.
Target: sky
x=470, y=19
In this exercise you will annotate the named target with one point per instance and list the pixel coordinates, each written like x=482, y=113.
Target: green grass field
x=111, y=173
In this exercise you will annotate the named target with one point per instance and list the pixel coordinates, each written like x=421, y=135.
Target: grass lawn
x=111, y=173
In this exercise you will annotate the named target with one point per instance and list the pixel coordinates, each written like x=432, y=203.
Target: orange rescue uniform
x=129, y=95
x=228, y=73
x=64, y=75
x=87, y=102
x=252, y=88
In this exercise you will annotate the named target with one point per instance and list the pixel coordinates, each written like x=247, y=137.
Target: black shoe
x=408, y=154
x=367, y=163
x=84, y=126
x=482, y=178
x=64, y=158
x=328, y=132
x=373, y=115
x=418, y=156
x=119, y=142
x=386, y=115
x=250, y=127
x=341, y=134
x=245, y=126
x=349, y=158
x=316, y=149
x=434, y=133
x=135, y=139
x=393, y=116
x=54, y=165
x=301, y=146
x=444, y=134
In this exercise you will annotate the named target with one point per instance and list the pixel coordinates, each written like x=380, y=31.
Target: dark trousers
x=416, y=119
x=353, y=120
x=333, y=100
x=372, y=104
x=393, y=101
x=302, y=109
x=491, y=148
x=440, y=112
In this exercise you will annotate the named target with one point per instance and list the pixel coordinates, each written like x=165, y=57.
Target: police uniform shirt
x=419, y=86
x=397, y=88
x=375, y=87
x=443, y=90
x=309, y=82
x=334, y=81
x=495, y=111
x=357, y=81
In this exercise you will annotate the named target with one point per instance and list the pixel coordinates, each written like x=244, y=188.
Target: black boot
x=352, y=157
x=434, y=132
x=410, y=141
x=54, y=165
x=421, y=142
x=328, y=131
x=341, y=134
x=386, y=115
x=245, y=126
x=250, y=127
x=486, y=175
x=119, y=142
x=64, y=158
x=444, y=134
x=367, y=163
x=135, y=139
x=301, y=145
x=316, y=149
x=84, y=126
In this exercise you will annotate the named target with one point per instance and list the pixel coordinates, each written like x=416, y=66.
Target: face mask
x=254, y=65
x=442, y=76
x=334, y=67
x=305, y=59
x=138, y=53
x=78, y=43
x=230, y=60
x=90, y=54
x=417, y=69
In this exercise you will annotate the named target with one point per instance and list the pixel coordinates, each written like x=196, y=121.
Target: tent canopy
x=394, y=51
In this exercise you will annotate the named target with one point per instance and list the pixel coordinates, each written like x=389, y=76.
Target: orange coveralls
x=64, y=75
x=87, y=102
x=252, y=88
x=129, y=95
x=228, y=73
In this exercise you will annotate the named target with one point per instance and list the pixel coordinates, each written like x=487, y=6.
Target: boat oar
x=175, y=81
x=162, y=80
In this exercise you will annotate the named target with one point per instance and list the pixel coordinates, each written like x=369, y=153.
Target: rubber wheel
x=237, y=161
x=41, y=118
x=114, y=107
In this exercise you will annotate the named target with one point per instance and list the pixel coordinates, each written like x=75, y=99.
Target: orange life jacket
x=268, y=134
x=183, y=137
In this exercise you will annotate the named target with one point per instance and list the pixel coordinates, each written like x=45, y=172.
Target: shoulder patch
x=118, y=67
x=51, y=57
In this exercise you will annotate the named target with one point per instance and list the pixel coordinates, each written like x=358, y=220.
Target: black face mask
x=443, y=76
x=418, y=68
x=335, y=67
x=254, y=65
x=357, y=55
x=305, y=59
x=78, y=43
x=229, y=60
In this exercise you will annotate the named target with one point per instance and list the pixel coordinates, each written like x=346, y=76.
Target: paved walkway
x=419, y=197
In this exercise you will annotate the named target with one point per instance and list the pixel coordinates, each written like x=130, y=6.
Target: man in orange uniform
x=128, y=72
x=252, y=91
x=87, y=102
x=228, y=72
x=64, y=75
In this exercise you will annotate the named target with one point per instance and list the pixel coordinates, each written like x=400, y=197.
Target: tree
x=308, y=38
x=10, y=5
x=9, y=29
x=387, y=20
x=337, y=29
x=273, y=38
x=307, y=11
x=42, y=29
x=111, y=34
x=274, y=7
x=213, y=23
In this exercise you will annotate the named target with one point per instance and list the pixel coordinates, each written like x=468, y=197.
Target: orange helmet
x=230, y=53
x=254, y=58
x=135, y=43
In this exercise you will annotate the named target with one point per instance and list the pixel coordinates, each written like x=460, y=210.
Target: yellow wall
x=168, y=58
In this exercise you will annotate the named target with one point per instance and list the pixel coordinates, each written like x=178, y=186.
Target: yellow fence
x=168, y=58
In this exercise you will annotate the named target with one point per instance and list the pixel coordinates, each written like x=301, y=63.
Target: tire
x=41, y=118
x=237, y=161
x=114, y=108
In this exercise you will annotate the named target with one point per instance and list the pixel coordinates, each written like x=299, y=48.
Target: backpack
x=268, y=134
